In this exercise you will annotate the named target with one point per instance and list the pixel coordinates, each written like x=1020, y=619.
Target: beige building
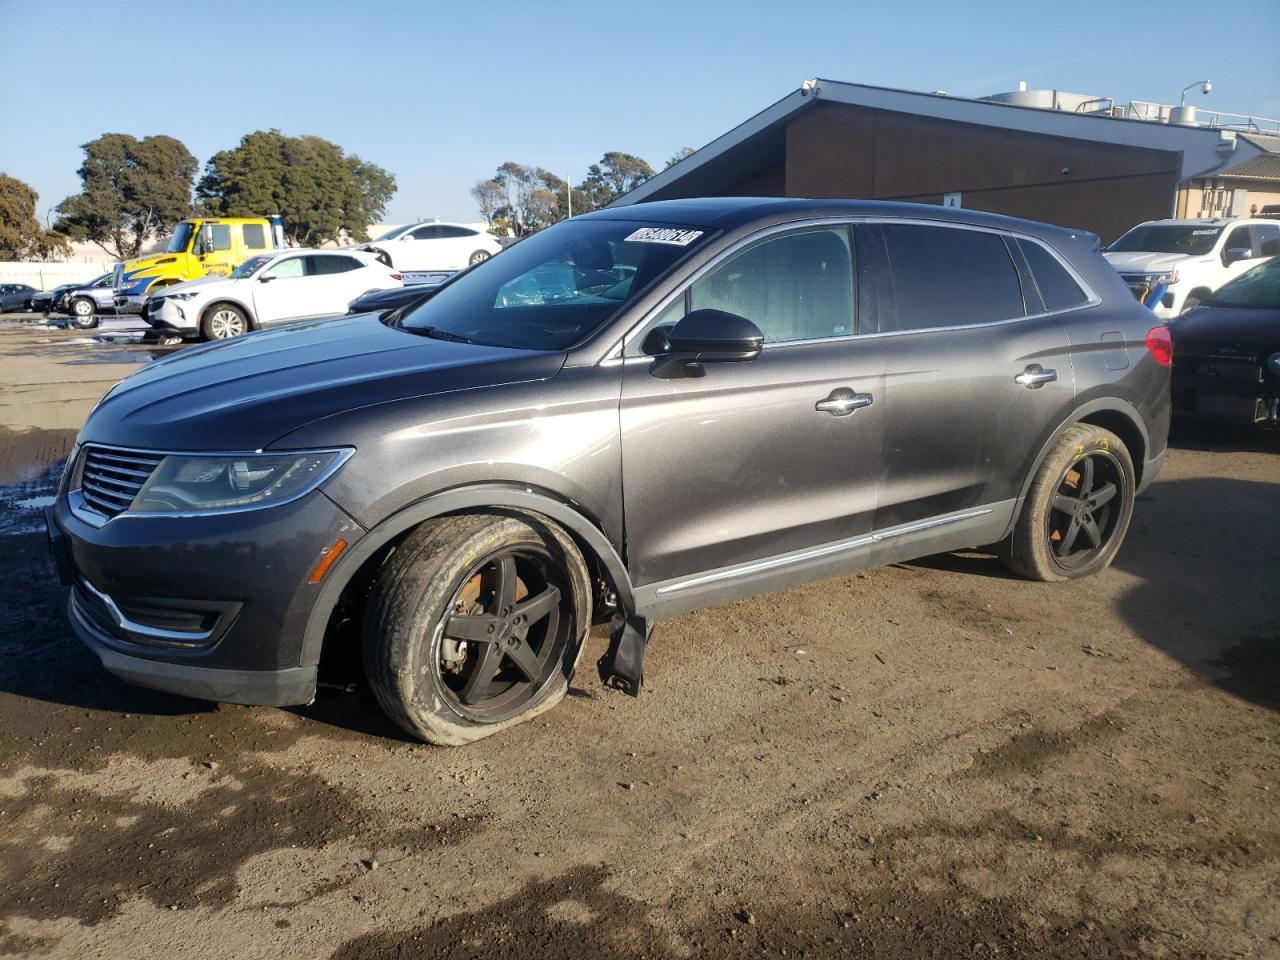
x=1070, y=159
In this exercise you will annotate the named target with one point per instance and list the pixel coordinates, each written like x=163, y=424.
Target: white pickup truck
x=1192, y=258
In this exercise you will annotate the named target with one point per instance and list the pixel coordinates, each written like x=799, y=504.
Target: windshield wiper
x=437, y=334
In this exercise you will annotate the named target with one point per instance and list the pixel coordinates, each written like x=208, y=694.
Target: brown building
x=1094, y=166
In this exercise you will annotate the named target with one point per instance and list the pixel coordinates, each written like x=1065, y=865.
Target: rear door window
x=946, y=277
x=1058, y=289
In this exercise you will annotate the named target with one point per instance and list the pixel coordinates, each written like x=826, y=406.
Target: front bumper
x=168, y=314
x=132, y=303
x=213, y=607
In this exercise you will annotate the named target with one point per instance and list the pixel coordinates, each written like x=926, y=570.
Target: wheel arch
x=1111, y=413
x=349, y=572
x=244, y=308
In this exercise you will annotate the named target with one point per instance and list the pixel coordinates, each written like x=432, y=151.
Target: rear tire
x=82, y=313
x=480, y=256
x=1077, y=510
x=222, y=321
x=445, y=649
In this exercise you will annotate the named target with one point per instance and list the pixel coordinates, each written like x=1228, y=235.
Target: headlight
x=181, y=296
x=185, y=484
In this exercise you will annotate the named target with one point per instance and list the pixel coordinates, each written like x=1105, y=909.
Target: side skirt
x=964, y=528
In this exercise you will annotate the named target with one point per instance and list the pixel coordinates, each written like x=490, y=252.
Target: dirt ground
x=926, y=760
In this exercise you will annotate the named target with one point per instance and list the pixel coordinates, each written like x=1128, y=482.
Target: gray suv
x=630, y=415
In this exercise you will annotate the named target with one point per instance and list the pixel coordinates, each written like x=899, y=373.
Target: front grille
x=110, y=479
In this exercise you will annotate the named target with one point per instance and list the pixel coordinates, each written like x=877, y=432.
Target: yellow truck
x=200, y=247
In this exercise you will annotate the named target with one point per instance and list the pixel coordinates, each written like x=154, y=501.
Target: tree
x=131, y=189
x=21, y=235
x=320, y=192
x=614, y=175
x=678, y=156
x=491, y=197
x=534, y=197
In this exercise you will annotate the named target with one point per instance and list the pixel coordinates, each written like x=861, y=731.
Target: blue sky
x=440, y=94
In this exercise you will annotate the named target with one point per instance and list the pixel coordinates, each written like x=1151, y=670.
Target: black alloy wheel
x=504, y=633
x=1084, y=512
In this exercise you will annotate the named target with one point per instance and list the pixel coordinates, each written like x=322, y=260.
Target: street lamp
x=1205, y=87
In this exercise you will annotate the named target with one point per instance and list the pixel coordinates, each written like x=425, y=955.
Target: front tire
x=1077, y=510
x=476, y=623
x=222, y=321
x=82, y=313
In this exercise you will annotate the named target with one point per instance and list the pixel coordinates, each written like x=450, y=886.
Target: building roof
x=1265, y=166
x=758, y=142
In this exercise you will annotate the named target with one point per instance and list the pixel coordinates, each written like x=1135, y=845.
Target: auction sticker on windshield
x=673, y=235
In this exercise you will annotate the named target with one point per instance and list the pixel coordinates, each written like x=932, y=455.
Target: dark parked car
x=1226, y=352
x=377, y=301
x=15, y=297
x=50, y=301
x=631, y=414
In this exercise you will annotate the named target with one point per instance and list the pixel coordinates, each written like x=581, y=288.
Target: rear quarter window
x=948, y=276
x=1058, y=289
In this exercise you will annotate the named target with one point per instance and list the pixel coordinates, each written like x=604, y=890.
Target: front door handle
x=1035, y=376
x=842, y=402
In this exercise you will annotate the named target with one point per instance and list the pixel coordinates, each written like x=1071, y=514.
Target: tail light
x=397, y=276
x=1160, y=344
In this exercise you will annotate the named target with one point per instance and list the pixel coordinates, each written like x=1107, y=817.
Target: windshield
x=1168, y=238
x=556, y=287
x=1260, y=287
x=250, y=267
x=181, y=238
x=395, y=232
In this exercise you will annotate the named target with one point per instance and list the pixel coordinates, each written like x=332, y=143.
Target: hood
x=1138, y=262
x=131, y=267
x=1253, y=326
x=243, y=394
x=193, y=284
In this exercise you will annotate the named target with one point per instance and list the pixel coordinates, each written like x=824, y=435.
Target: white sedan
x=433, y=246
x=267, y=289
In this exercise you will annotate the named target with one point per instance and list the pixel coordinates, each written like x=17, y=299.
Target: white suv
x=1193, y=258
x=433, y=246
x=267, y=289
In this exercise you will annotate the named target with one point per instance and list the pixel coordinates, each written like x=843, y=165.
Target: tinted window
x=1260, y=287
x=320, y=265
x=794, y=287
x=254, y=236
x=552, y=289
x=1266, y=239
x=454, y=233
x=426, y=233
x=1238, y=239
x=943, y=276
x=1057, y=288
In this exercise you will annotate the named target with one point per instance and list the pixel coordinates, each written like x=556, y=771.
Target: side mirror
x=1235, y=254
x=267, y=279
x=707, y=336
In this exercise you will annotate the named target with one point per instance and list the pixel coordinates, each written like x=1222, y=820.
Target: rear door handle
x=1035, y=376
x=842, y=402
